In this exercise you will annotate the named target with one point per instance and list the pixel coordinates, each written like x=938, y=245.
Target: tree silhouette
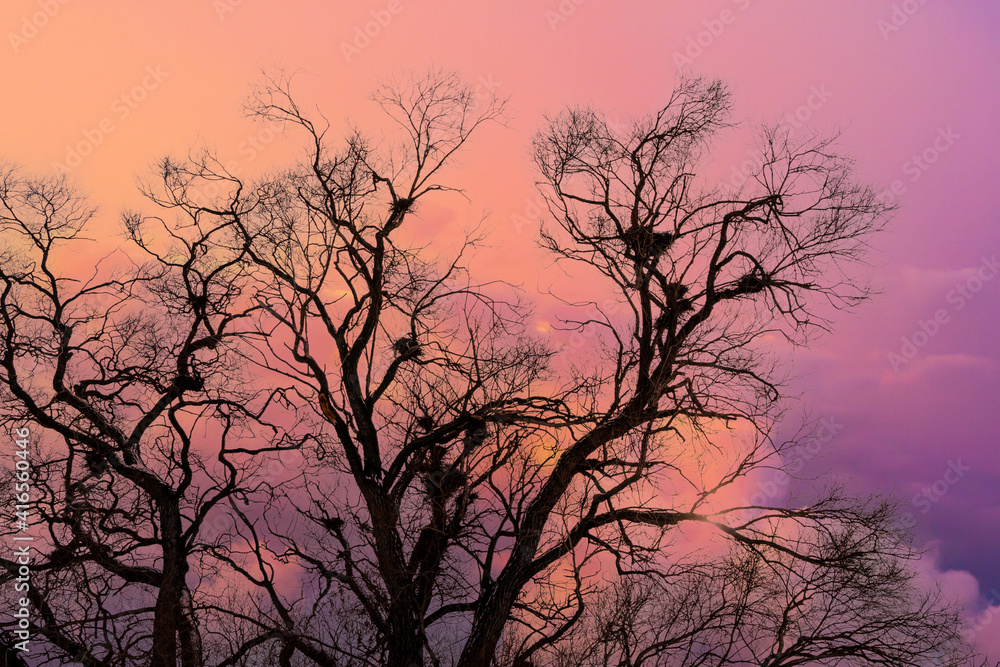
x=132, y=372
x=467, y=494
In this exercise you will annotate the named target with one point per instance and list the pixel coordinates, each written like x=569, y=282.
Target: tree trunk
x=188, y=633
x=486, y=630
x=405, y=650
x=167, y=614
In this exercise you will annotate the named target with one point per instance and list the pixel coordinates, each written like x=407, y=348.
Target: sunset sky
x=102, y=89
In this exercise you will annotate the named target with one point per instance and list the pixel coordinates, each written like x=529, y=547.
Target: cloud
x=922, y=365
x=982, y=609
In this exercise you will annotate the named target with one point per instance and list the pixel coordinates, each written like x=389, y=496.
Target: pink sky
x=131, y=82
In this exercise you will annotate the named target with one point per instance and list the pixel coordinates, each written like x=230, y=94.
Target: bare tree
x=130, y=382
x=468, y=494
x=752, y=607
x=472, y=488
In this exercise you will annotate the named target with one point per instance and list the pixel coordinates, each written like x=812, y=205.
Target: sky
x=100, y=90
